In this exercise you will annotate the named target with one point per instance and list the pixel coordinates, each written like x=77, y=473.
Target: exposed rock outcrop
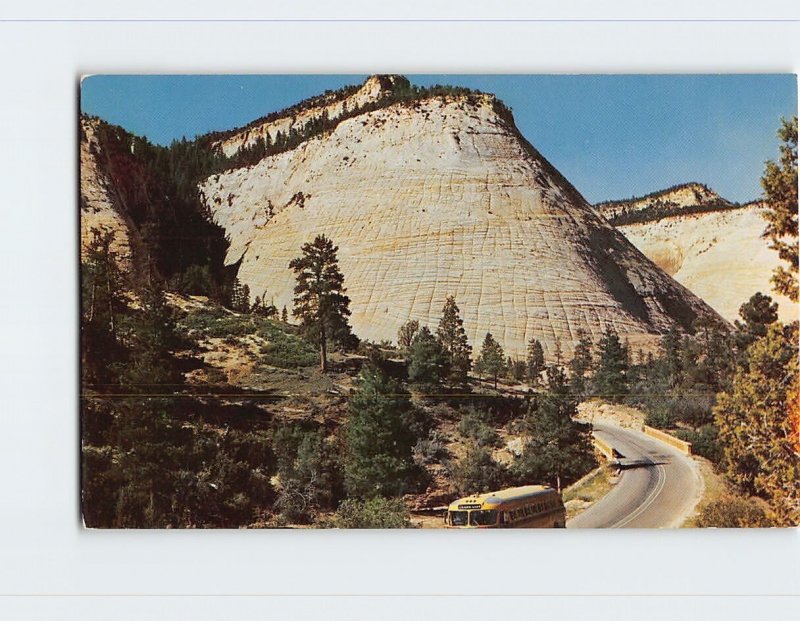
x=99, y=204
x=440, y=197
x=332, y=106
x=680, y=199
x=720, y=256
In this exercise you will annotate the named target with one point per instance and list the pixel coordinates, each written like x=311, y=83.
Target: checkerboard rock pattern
x=443, y=197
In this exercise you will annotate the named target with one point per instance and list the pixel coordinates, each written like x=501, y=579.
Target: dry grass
x=715, y=487
x=581, y=495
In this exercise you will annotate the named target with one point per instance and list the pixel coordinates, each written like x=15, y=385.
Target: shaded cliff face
x=443, y=197
x=720, y=256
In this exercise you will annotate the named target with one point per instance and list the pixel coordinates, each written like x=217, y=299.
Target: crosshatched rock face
x=443, y=197
x=720, y=256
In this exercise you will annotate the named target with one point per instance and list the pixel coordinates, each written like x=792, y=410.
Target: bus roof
x=501, y=497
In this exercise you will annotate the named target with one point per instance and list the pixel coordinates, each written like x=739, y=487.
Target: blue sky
x=612, y=136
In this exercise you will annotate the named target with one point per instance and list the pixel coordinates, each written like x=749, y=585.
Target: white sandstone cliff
x=99, y=204
x=443, y=197
x=720, y=256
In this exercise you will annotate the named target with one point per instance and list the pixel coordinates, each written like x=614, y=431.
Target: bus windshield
x=483, y=518
x=458, y=518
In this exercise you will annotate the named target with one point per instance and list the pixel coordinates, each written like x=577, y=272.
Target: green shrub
x=430, y=449
x=660, y=418
x=473, y=425
x=734, y=512
x=477, y=472
x=705, y=442
x=375, y=512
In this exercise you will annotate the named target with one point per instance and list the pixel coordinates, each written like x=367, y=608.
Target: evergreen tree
x=581, y=363
x=379, y=437
x=319, y=296
x=453, y=337
x=427, y=359
x=102, y=303
x=240, y=297
x=477, y=472
x=610, y=375
x=756, y=430
x=307, y=472
x=757, y=314
x=145, y=432
x=717, y=356
x=557, y=352
x=491, y=359
x=284, y=315
x=671, y=346
x=780, y=191
x=535, y=361
x=559, y=450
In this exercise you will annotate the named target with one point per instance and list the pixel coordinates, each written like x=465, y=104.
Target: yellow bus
x=530, y=506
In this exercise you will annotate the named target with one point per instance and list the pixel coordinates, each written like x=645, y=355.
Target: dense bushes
x=477, y=472
x=734, y=512
x=374, y=512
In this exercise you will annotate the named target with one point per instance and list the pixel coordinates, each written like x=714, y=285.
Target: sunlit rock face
x=443, y=197
x=720, y=256
x=99, y=204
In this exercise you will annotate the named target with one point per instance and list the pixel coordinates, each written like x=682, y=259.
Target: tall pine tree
x=580, y=364
x=379, y=436
x=491, y=359
x=453, y=337
x=535, y=361
x=319, y=296
x=611, y=369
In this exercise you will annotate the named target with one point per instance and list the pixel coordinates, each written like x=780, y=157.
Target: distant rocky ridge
x=710, y=245
x=437, y=196
x=329, y=106
x=683, y=199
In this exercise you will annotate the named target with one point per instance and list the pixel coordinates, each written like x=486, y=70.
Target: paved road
x=658, y=494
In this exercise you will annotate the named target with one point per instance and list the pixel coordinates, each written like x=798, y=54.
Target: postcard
x=457, y=302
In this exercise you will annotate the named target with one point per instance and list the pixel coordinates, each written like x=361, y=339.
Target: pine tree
x=558, y=353
x=581, y=363
x=453, y=337
x=477, y=471
x=559, y=449
x=535, y=361
x=610, y=376
x=284, y=315
x=144, y=429
x=378, y=460
x=102, y=303
x=491, y=359
x=757, y=314
x=319, y=296
x=671, y=346
x=427, y=359
x=780, y=192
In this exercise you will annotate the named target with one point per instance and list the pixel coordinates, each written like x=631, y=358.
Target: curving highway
x=658, y=486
